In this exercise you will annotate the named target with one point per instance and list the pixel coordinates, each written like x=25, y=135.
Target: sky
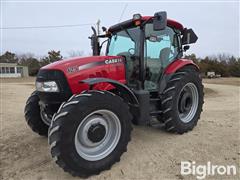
x=216, y=23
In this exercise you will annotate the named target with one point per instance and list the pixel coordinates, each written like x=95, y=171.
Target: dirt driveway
x=152, y=153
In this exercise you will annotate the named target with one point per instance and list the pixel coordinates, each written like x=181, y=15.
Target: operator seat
x=164, y=61
x=164, y=56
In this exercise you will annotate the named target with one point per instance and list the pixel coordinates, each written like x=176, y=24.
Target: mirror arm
x=100, y=47
x=145, y=22
x=186, y=47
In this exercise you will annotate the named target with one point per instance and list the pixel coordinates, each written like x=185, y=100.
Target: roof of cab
x=170, y=22
x=127, y=23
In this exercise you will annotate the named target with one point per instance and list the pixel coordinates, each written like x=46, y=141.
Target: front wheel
x=182, y=101
x=34, y=116
x=90, y=132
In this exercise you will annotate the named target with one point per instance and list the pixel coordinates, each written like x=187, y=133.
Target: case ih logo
x=111, y=61
x=72, y=69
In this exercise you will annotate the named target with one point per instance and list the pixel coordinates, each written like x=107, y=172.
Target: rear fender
x=178, y=64
x=172, y=68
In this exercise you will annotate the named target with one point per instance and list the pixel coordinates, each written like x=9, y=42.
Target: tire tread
x=55, y=136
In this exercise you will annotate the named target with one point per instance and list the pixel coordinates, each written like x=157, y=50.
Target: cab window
x=126, y=43
x=161, y=48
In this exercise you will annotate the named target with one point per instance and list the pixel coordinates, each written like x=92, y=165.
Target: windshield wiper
x=129, y=35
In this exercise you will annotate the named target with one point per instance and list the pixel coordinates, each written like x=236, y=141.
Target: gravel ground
x=152, y=153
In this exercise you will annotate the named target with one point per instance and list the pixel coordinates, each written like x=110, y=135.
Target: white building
x=12, y=70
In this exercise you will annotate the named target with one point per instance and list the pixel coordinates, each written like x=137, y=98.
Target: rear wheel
x=90, y=132
x=182, y=101
x=34, y=116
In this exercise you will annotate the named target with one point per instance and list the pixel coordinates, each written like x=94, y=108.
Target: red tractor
x=86, y=105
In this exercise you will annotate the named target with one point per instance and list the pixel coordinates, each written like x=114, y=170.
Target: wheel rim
x=97, y=135
x=45, y=117
x=188, y=102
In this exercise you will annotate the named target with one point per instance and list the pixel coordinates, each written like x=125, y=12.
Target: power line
x=123, y=11
x=46, y=27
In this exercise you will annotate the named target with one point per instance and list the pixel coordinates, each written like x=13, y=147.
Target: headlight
x=48, y=86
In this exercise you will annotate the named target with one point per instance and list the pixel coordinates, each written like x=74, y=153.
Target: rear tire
x=182, y=101
x=33, y=117
x=75, y=152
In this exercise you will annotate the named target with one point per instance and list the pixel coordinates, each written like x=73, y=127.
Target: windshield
x=122, y=42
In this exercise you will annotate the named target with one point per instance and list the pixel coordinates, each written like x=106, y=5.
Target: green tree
x=31, y=62
x=8, y=57
x=192, y=57
x=52, y=57
x=234, y=68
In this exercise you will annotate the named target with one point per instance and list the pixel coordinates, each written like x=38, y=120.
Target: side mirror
x=185, y=48
x=160, y=21
x=188, y=37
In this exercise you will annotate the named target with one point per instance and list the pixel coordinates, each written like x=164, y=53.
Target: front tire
x=33, y=117
x=90, y=132
x=182, y=101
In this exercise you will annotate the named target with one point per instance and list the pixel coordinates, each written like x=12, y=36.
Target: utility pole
x=98, y=26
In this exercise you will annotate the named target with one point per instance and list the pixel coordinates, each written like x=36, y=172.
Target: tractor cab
x=148, y=44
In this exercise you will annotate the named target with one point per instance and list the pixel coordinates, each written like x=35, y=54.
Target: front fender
x=121, y=87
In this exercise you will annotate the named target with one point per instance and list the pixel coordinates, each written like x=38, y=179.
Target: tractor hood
x=77, y=64
x=79, y=68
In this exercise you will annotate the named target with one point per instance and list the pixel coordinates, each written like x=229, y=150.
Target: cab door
x=126, y=43
x=161, y=48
